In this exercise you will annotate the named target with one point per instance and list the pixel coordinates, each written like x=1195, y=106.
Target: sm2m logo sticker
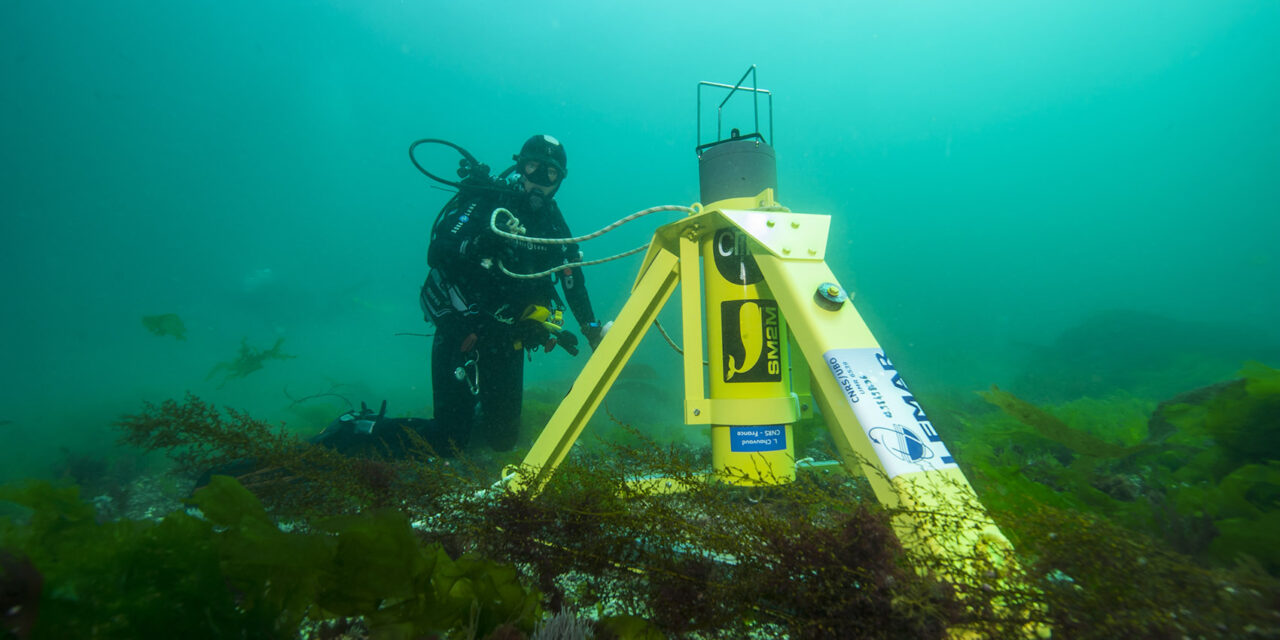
x=750, y=338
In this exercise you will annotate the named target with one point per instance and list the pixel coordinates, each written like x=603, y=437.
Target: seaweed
x=122, y=579
x=1203, y=477
x=296, y=477
x=1241, y=416
x=1244, y=511
x=658, y=559
x=237, y=574
x=813, y=559
x=810, y=560
x=1101, y=580
x=1052, y=428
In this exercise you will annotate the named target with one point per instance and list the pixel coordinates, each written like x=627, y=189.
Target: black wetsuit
x=477, y=369
x=476, y=310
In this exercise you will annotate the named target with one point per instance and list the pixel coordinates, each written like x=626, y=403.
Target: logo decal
x=733, y=258
x=750, y=335
x=901, y=442
x=903, y=437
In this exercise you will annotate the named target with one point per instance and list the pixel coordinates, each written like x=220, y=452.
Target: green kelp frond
x=1261, y=381
x=1247, y=492
x=1120, y=418
x=237, y=575
x=1063, y=463
x=249, y=360
x=1256, y=538
x=1244, y=508
x=1242, y=416
x=630, y=628
x=1052, y=428
x=1222, y=468
x=1205, y=478
x=168, y=324
x=124, y=578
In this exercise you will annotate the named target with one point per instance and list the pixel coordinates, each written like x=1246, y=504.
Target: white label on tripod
x=900, y=432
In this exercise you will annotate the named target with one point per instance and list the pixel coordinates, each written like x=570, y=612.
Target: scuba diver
x=486, y=317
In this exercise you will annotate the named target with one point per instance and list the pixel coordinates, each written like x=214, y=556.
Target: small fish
x=168, y=324
x=250, y=359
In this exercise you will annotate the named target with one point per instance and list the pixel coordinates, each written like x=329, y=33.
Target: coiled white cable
x=513, y=223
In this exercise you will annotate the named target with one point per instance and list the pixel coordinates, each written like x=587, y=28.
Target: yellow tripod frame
x=878, y=427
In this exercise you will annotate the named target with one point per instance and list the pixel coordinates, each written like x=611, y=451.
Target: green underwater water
x=1075, y=202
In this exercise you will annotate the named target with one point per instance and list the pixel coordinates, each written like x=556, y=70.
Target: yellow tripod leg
x=872, y=416
x=651, y=292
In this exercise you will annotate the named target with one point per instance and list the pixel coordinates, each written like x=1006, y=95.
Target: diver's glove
x=532, y=336
x=543, y=327
x=594, y=332
x=567, y=341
